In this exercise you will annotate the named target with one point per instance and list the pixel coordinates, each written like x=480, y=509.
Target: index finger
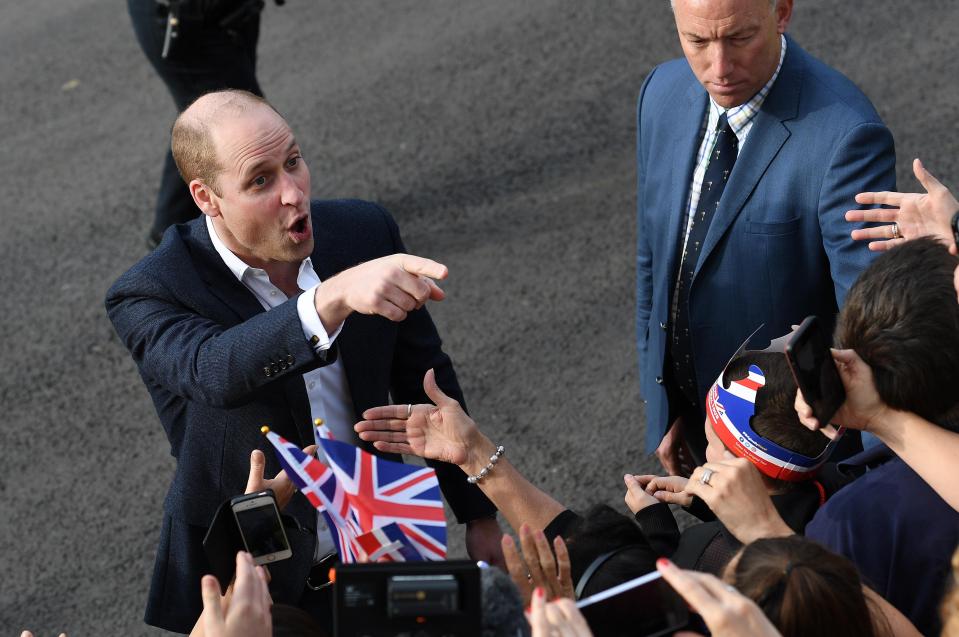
x=386, y=412
x=884, y=198
x=689, y=588
x=423, y=266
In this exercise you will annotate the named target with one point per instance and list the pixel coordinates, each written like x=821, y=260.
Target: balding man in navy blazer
x=749, y=153
x=271, y=309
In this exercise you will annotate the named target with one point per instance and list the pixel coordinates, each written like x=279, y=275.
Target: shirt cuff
x=313, y=328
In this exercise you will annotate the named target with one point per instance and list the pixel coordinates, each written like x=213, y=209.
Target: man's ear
x=204, y=197
x=784, y=13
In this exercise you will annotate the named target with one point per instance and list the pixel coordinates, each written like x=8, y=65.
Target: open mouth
x=300, y=230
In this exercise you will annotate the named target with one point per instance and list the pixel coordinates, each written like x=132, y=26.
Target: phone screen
x=815, y=371
x=644, y=607
x=262, y=529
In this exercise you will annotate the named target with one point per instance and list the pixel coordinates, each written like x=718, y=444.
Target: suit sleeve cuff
x=313, y=328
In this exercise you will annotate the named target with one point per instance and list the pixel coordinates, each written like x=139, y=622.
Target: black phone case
x=221, y=544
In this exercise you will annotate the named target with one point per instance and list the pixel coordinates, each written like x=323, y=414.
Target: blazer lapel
x=219, y=280
x=765, y=139
x=688, y=123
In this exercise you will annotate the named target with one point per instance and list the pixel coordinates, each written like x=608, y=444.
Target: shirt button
x=311, y=385
x=662, y=325
x=659, y=380
x=272, y=292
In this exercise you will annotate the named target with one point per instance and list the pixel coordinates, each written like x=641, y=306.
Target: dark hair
x=600, y=531
x=804, y=589
x=902, y=318
x=775, y=418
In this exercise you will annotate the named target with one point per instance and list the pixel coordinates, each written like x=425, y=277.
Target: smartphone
x=643, y=607
x=261, y=527
x=810, y=360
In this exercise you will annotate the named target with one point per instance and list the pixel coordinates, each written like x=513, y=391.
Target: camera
x=418, y=599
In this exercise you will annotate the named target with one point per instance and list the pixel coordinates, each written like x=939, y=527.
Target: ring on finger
x=706, y=477
x=409, y=411
x=895, y=231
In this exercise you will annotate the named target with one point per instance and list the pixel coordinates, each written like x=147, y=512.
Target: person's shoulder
x=669, y=76
x=175, y=252
x=826, y=88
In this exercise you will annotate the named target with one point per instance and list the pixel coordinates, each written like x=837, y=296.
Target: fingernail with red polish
x=663, y=562
x=539, y=592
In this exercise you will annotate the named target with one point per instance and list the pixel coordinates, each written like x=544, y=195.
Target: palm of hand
x=437, y=433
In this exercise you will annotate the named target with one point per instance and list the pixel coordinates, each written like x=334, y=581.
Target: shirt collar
x=740, y=116
x=241, y=269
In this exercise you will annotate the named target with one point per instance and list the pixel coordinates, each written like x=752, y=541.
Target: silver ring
x=409, y=411
x=895, y=231
x=707, y=475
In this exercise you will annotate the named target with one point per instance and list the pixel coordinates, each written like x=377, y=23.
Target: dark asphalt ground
x=501, y=136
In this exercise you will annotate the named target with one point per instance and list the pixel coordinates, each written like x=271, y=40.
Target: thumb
x=843, y=356
x=212, y=616
x=433, y=390
x=257, y=466
x=925, y=178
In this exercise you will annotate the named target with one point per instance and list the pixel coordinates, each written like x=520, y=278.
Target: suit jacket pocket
x=790, y=226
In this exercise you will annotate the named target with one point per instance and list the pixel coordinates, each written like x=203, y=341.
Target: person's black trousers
x=203, y=57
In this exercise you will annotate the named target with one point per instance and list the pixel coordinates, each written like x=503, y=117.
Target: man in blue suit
x=257, y=313
x=749, y=153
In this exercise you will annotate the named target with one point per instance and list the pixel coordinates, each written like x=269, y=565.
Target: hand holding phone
x=260, y=526
x=814, y=369
x=643, y=607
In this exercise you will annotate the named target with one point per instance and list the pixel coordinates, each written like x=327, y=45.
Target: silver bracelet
x=500, y=450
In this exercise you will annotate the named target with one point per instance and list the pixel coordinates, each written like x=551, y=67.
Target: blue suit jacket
x=218, y=367
x=778, y=248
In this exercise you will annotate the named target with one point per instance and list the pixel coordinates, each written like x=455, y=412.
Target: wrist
x=479, y=450
x=330, y=305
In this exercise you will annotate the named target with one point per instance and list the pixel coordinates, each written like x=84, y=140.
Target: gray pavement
x=501, y=136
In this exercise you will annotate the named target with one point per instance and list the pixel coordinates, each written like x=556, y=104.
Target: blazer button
x=659, y=380
x=284, y=365
x=267, y=371
x=289, y=358
x=662, y=325
x=275, y=367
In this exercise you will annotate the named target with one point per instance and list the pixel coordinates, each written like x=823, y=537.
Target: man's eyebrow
x=255, y=167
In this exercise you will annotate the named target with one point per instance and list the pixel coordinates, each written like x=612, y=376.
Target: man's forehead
x=239, y=137
x=720, y=15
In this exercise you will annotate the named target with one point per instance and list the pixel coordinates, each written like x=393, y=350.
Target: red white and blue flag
x=388, y=544
x=374, y=493
x=361, y=495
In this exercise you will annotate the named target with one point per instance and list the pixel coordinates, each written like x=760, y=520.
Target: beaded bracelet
x=500, y=450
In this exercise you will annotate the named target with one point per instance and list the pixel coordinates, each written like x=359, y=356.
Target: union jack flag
x=388, y=544
x=360, y=494
x=374, y=492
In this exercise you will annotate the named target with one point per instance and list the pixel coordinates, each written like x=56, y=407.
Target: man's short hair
x=902, y=318
x=191, y=140
x=775, y=418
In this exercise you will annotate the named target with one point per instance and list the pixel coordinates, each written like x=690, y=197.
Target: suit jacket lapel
x=688, y=125
x=765, y=139
x=217, y=277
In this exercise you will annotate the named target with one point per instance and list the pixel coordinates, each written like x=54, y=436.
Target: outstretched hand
x=537, y=566
x=916, y=214
x=726, y=611
x=441, y=431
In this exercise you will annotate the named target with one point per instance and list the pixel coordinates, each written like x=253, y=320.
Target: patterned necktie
x=721, y=161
